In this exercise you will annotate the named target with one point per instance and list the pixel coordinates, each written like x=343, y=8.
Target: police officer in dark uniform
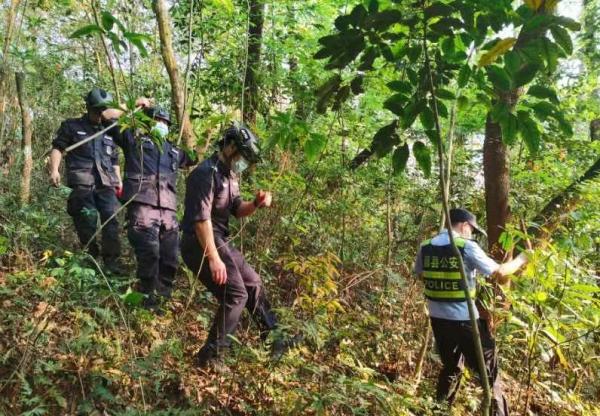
x=212, y=195
x=93, y=175
x=439, y=267
x=150, y=184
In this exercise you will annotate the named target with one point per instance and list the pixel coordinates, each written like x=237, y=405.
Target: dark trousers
x=454, y=340
x=84, y=205
x=154, y=235
x=243, y=289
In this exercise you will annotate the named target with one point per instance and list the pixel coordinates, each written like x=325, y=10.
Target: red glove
x=119, y=192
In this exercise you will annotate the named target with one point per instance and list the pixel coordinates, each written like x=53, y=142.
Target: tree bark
x=255, y=31
x=11, y=17
x=168, y=55
x=497, y=184
x=26, y=141
x=595, y=129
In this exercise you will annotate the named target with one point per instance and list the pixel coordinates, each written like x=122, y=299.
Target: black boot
x=114, y=267
x=153, y=304
x=209, y=357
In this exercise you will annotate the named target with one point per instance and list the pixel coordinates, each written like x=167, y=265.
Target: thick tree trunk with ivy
x=255, y=30
x=27, y=132
x=168, y=55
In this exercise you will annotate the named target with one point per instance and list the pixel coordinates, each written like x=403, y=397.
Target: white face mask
x=240, y=165
x=160, y=130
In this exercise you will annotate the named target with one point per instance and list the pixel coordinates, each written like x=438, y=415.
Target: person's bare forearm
x=245, y=209
x=511, y=267
x=117, y=169
x=55, y=159
x=204, y=234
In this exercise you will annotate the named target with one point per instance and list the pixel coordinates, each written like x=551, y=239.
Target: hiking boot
x=282, y=346
x=153, y=304
x=114, y=267
x=208, y=356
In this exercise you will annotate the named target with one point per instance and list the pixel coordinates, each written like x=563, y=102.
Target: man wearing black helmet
x=93, y=175
x=150, y=191
x=212, y=195
x=439, y=268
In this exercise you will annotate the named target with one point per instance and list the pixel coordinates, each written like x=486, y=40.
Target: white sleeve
x=477, y=259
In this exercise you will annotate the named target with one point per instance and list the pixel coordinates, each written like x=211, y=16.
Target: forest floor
x=73, y=343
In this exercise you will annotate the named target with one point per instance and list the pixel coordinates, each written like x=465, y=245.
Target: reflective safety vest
x=441, y=271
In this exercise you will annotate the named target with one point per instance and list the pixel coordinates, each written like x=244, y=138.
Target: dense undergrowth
x=74, y=342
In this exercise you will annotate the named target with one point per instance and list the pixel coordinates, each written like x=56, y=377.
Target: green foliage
x=79, y=342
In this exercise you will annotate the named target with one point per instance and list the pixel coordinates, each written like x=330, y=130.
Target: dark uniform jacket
x=151, y=173
x=92, y=163
x=212, y=193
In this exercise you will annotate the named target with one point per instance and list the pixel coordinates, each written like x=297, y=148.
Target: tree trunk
x=11, y=17
x=177, y=92
x=26, y=143
x=595, y=129
x=255, y=29
x=497, y=184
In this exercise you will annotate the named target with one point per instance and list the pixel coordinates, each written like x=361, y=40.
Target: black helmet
x=245, y=141
x=98, y=98
x=158, y=112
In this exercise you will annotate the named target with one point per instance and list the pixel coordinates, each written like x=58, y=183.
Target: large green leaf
x=86, y=30
x=525, y=75
x=568, y=23
x=464, y=75
x=108, y=21
x=540, y=91
x=355, y=45
x=411, y=112
x=438, y=9
x=138, y=40
x=543, y=110
x=445, y=94
x=341, y=96
x=358, y=15
x=367, y=59
x=423, y=157
x=529, y=131
x=563, y=124
x=512, y=63
x=385, y=139
x=396, y=103
x=357, y=84
x=427, y=118
x=550, y=53
x=401, y=86
x=563, y=38
x=383, y=20
x=399, y=158
x=498, y=77
x=510, y=125
x=326, y=91
x=314, y=145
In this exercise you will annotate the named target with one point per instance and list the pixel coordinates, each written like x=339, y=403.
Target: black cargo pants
x=244, y=289
x=454, y=341
x=83, y=205
x=154, y=235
